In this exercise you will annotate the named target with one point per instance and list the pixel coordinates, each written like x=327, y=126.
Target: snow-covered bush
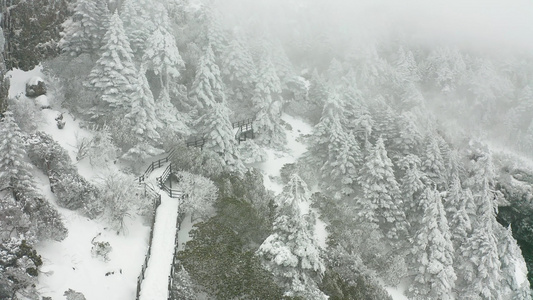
x=101, y=250
x=196, y=161
x=18, y=269
x=120, y=197
x=26, y=113
x=200, y=195
x=47, y=154
x=75, y=192
x=73, y=295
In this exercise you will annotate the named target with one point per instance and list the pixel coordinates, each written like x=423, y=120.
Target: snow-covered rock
x=35, y=87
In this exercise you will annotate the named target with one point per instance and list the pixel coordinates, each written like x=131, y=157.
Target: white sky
x=489, y=24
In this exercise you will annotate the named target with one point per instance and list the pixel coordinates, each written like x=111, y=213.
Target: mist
x=475, y=24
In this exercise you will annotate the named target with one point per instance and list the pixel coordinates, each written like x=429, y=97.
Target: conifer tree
x=327, y=130
x=207, y=88
x=412, y=188
x=85, y=30
x=291, y=252
x=433, y=162
x=142, y=116
x=218, y=133
x=456, y=210
x=162, y=57
x=511, y=259
x=114, y=77
x=339, y=172
x=14, y=170
x=239, y=71
x=382, y=203
x=267, y=99
x=141, y=18
x=433, y=252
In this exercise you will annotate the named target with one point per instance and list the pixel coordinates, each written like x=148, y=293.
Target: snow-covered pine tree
x=16, y=177
x=143, y=121
x=339, y=172
x=412, y=188
x=328, y=129
x=267, y=99
x=456, y=211
x=207, y=88
x=514, y=281
x=218, y=132
x=141, y=18
x=84, y=31
x=114, y=77
x=433, y=252
x=162, y=57
x=381, y=201
x=480, y=274
x=239, y=72
x=405, y=68
x=14, y=169
x=172, y=119
x=432, y=161
x=291, y=252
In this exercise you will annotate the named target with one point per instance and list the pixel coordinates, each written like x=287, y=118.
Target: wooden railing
x=156, y=201
x=197, y=142
x=156, y=164
x=242, y=123
x=174, y=257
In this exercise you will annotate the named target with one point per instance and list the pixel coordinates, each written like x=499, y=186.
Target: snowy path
x=155, y=283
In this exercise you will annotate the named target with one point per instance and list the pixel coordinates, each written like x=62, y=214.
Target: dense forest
x=420, y=161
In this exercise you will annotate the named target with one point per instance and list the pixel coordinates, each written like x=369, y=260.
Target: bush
x=75, y=192
x=101, y=250
x=26, y=113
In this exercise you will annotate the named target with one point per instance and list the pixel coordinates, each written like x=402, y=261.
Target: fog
x=477, y=24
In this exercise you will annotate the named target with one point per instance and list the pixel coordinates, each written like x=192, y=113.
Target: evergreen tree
x=511, y=258
x=267, y=99
x=456, y=210
x=162, y=57
x=114, y=77
x=142, y=116
x=219, y=136
x=339, y=172
x=291, y=252
x=433, y=162
x=381, y=202
x=14, y=170
x=412, y=188
x=141, y=18
x=84, y=31
x=207, y=88
x=433, y=252
x=239, y=72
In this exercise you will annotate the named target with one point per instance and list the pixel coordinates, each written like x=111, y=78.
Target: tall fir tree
x=239, y=72
x=291, y=252
x=218, y=133
x=162, y=57
x=14, y=169
x=267, y=100
x=207, y=88
x=84, y=31
x=381, y=194
x=433, y=252
x=114, y=77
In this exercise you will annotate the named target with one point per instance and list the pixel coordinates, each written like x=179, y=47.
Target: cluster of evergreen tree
x=402, y=198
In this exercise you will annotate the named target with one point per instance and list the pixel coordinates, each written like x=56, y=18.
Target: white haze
x=478, y=24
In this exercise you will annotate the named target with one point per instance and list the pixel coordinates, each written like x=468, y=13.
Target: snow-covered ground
x=155, y=283
x=69, y=264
